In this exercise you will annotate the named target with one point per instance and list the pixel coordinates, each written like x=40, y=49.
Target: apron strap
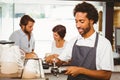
x=96, y=41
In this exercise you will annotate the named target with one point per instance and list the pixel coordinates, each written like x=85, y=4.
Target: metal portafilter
x=54, y=69
x=45, y=64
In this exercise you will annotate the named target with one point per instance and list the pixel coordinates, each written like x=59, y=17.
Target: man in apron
x=90, y=53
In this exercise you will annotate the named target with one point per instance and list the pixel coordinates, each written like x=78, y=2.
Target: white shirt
x=21, y=39
x=56, y=50
x=104, y=54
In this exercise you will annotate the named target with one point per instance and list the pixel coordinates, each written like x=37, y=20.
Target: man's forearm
x=99, y=74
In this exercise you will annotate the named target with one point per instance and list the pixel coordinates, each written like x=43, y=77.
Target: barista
x=90, y=53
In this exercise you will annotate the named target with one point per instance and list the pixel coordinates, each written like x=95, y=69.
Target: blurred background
x=48, y=13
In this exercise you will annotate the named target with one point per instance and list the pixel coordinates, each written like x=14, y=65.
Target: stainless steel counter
x=61, y=76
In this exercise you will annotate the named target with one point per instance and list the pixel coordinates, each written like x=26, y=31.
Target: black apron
x=84, y=56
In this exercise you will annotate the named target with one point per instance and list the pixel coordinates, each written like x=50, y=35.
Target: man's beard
x=28, y=33
x=86, y=30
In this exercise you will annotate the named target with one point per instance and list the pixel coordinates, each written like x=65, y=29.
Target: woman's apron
x=84, y=56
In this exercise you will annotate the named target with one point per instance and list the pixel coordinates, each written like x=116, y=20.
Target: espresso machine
x=54, y=69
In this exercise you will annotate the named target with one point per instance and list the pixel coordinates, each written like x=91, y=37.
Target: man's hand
x=30, y=55
x=73, y=71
